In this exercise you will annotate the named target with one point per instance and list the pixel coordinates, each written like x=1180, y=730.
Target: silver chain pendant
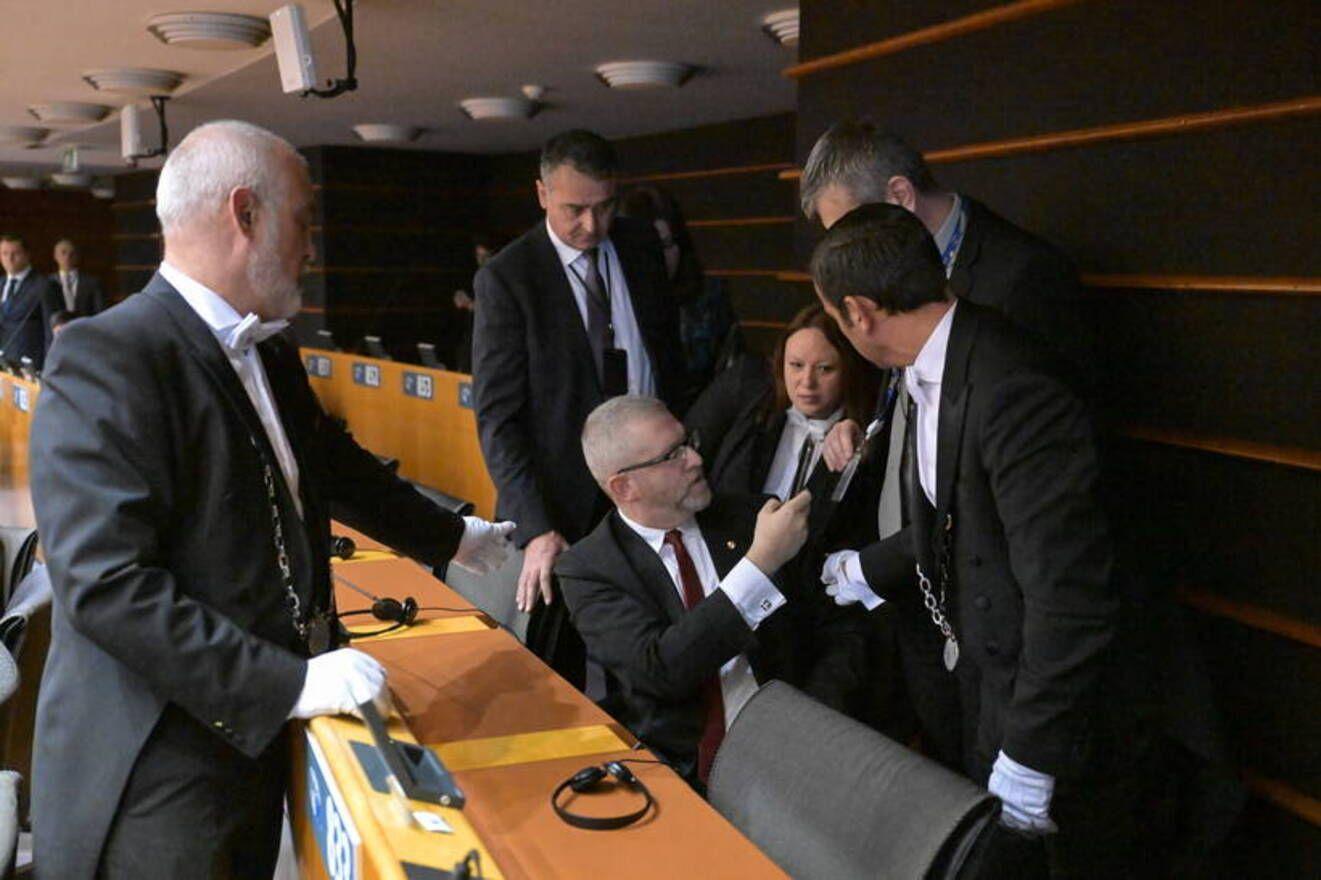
x=951, y=653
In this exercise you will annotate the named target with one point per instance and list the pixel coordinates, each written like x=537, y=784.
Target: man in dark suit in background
x=573, y=312
x=182, y=474
x=988, y=260
x=81, y=293
x=1018, y=592
x=674, y=594
x=27, y=301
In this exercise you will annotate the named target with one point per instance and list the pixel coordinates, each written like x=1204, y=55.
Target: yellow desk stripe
x=525, y=748
x=437, y=626
x=365, y=556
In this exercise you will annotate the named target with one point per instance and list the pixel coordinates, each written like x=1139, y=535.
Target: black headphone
x=342, y=546
x=589, y=779
x=387, y=610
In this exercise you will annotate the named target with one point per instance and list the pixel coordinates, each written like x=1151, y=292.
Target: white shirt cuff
x=752, y=593
x=853, y=573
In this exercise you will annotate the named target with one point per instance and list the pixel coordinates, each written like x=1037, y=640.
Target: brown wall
x=43, y=217
x=1164, y=226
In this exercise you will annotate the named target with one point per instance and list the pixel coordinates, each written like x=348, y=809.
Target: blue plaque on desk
x=465, y=395
x=318, y=366
x=367, y=374
x=336, y=837
x=420, y=385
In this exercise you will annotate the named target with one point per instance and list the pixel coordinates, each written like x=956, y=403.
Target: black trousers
x=196, y=807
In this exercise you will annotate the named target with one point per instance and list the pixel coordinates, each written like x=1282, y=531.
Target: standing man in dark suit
x=182, y=474
x=573, y=312
x=988, y=260
x=1017, y=591
x=81, y=294
x=678, y=596
x=26, y=303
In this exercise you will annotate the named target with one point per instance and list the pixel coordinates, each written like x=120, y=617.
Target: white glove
x=1025, y=794
x=484, y=546
x=845, y=583
x=339, y=682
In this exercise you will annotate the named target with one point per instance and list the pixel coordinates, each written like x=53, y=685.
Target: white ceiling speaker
x=76, y=179
x=21, y=135
x=782, y=26
x=386, y=133
x=209, y=30
x=643, y=74
x=21, y=182
x=68, y=112
x=293, y=49
x=498, y=108
x=137, y=81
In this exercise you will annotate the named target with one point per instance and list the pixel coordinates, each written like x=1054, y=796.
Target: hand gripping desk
x=509, y=729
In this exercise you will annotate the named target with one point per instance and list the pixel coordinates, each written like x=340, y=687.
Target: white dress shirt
x=752, y=593
x=922, y=380
x=641, y=379
x=221, y=317
x=780, y=477
x=69, y=284
x=12, y=284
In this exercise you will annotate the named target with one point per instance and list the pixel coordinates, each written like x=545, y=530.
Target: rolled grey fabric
x=18, y=547
x=9, y=782
x=826, y=797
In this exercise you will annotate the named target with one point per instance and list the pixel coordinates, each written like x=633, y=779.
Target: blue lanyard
x=952, y=246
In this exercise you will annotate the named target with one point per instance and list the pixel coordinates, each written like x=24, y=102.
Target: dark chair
x=326, y=340
x=373, y=346
x=825, y=796
x=426, y=352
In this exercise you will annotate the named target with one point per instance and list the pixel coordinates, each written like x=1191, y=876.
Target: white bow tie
x=250, y=331
x=816, y=428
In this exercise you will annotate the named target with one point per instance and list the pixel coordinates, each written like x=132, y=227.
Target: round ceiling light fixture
x=21, y=181
x=782, y=27
x=386, y=133
x=643, y=74
x=498, y=108
x=21, y=135
x=209, y=30
x=136, y=81
x=68, y=112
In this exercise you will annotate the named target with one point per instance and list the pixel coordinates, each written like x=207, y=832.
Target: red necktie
x=713, y=701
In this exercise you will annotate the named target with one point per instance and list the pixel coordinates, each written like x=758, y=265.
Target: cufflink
x=767, y=604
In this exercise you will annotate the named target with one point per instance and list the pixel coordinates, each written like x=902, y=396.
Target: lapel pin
x=729, y=544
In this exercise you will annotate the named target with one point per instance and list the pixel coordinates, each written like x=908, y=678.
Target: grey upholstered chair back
x=18, y=547
x=826, y=797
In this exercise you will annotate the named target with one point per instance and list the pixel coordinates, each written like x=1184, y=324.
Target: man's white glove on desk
x=338, y=682
x=484, y=546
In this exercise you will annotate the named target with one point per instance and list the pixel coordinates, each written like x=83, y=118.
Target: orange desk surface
x=510, y=730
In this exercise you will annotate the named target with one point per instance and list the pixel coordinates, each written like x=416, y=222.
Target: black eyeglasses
x=689, y=441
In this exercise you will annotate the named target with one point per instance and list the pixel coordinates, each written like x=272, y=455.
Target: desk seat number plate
x=336, y=836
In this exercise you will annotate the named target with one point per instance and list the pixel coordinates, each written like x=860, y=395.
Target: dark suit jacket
x=88, y=298
x=1035, y=599
x=535, y=381
x=23, y=319
x=657, y=654
x=151, y=506
x=1027, y=279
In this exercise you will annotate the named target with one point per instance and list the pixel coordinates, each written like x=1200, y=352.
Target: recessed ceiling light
x=139, y=81
x=21, y=135
x=643, y=74
x=68, y=112
x=386, y=133
x=72, y=178
x=782, y=26
x=21, y=182
x=498, y=108
x=209, y=30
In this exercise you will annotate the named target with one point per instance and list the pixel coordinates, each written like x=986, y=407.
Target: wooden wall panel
x=1241, y=366
x=45, y=216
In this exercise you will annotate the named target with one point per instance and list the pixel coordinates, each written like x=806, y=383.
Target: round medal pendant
x=318, y=635
x=951, y=654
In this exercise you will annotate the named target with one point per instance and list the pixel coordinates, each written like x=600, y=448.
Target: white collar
x=929, y=368
x=655, y=538
x=21, y=275
x=70, y=273
x=210, y=306
x=818, y=428
x=569, y=254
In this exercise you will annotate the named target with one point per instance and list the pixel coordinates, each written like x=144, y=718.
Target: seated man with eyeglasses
x=683, y=598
